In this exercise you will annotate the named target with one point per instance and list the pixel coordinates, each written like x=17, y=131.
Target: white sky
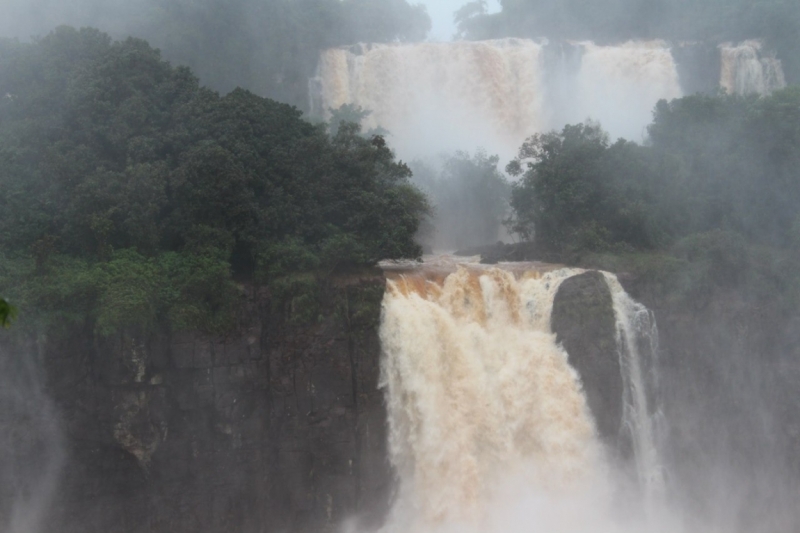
x=441, y=12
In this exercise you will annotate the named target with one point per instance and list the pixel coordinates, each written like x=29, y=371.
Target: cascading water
x=637, y=345
x=31, y=447
x=747, y=69
x=465, y=93
x=620, y=85
x=489, y=425
x=494, y=94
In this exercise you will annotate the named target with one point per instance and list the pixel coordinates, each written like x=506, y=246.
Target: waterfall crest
x=480, y=398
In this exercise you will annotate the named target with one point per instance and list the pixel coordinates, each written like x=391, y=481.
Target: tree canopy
x=711, y=163
x=123, y=174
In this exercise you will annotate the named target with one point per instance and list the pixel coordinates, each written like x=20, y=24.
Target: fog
x=444, y=27
x=25, y=20
x=32, y=446
x=200, y=251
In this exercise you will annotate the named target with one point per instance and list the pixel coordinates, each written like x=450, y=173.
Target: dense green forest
x=711, y=202
x=711, y=163
x=128, y=192
x=712, y=21
x=269, y=47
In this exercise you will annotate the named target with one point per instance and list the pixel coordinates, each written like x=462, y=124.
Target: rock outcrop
x=583, y=320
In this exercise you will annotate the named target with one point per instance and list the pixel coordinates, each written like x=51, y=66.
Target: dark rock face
x=278, y=427
x=583, y=320
x=729, y=374
x=699, y=66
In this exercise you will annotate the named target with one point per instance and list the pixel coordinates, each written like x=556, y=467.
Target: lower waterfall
x=637, y=345
x=489, y=427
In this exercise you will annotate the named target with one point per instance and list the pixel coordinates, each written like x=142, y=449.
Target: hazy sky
x=441, y=12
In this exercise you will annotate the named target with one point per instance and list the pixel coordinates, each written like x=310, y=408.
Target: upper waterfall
x=440, y=95
x=746, y=68
x=493, y=94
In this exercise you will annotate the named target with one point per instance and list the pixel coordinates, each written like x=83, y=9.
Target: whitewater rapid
x=489, y=426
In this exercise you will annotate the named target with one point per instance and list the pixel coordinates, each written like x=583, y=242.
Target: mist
x=469, y=197
x=270, y=48
x=194, y=196
x=33, y=448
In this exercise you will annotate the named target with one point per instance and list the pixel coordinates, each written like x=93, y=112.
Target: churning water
x=489, y=425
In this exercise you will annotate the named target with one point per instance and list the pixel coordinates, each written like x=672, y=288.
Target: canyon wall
x=278, y=426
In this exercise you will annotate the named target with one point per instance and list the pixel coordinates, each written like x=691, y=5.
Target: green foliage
x=355, y=114
x=297, y=296
x=129, y=194
x=712, y=163
x=7, y=313
x=704, y=268
x=579, y=191
x=472, y=20
x=346, y=113
x=190, y=291
x=364, y=307
x=735, y=163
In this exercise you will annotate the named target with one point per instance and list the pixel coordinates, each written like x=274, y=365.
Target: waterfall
x=637, y=346
x=747, y=69
x=494, y=94
x=488, y=422
x=31, y=446
x=461, y=95
x=620, y=85
x=464, y=93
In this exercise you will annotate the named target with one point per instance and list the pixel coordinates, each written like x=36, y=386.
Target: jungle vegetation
x=711, y=162
x=710, y=203
x=130, y=193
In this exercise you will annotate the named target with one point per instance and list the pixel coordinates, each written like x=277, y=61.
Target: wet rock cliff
x=583, y=321
x=278, y=426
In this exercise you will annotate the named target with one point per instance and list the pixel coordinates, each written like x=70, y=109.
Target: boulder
x=583, y=321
